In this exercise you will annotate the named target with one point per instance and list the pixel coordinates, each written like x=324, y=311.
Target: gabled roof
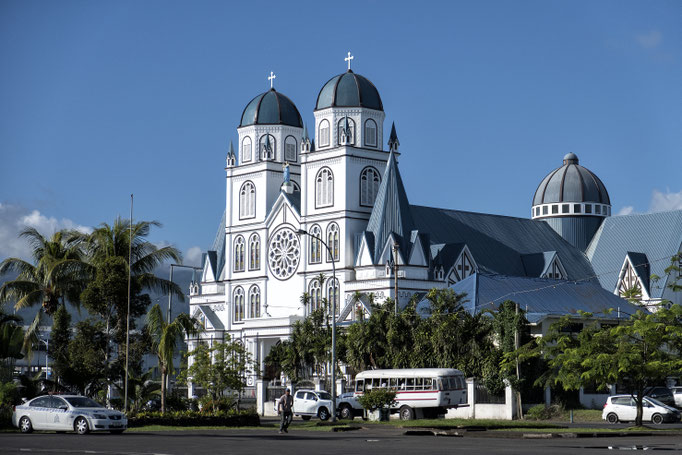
x=657, y=235
x=537, y=263
x=219, y=249
x=391, y=212
x=541, y=297
x=212, y=317
x=498, y=243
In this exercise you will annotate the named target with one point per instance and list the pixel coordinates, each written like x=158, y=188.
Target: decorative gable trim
x=208, y=274
x=387, y=253
x=630, y=283
x=463, y=267
x=554, y=269
x=364, y=256
x=284, y=207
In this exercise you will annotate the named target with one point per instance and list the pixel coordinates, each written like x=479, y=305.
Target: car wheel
x=25, y=425
x=305, y=417
x=81, y=426
x=116, y=431
x=612, y=418
x=406, y=413
x=346, y=412
x=657, y=419
x=323, y=414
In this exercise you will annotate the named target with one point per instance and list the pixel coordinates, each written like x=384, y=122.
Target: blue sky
x=101, y=99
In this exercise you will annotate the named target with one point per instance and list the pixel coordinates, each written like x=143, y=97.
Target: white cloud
x=627, y=210
x=14, y=219
x=661, y=202
x=193, y=256
x=649, y=40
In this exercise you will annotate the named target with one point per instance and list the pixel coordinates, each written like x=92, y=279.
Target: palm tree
x=57, y=275
x=165, y=336
x=11, y=344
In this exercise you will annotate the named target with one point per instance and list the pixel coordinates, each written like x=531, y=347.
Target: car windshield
x=324, y=396
x=82, y=402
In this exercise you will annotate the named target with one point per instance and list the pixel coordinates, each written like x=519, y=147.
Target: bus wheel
x=406, y=413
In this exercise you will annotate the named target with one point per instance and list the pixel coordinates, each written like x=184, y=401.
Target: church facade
x=325, y=215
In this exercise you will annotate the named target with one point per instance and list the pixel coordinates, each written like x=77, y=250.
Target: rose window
x=284, y=253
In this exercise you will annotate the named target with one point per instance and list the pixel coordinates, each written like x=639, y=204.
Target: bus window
x=460, y=382
x=419, y=384
x=439, y=384
x=376, y=382
x=428, y=384
x=401, y=383
x=359, y=385
x=410, y=383
x=393, y=383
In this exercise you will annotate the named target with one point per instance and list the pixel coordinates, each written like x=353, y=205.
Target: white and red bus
x=420, y=392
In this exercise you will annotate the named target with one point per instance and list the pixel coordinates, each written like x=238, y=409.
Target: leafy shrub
x=230, y=418
x=379, y=398
x=9, y=396
x=540, y=412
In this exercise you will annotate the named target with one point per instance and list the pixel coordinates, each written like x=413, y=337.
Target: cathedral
x=324, y=214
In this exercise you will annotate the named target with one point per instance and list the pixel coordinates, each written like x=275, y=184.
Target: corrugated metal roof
x=540, y=297
x=657, y=235
x=498, y=243
x=391, y=212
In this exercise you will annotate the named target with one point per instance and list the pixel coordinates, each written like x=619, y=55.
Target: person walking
x=284, y=405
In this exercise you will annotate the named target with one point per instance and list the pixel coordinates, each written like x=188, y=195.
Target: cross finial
x=271, y=78
x=348, y=59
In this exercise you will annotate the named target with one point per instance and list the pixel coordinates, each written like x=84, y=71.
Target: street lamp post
x=304, y=232
x=47, y=354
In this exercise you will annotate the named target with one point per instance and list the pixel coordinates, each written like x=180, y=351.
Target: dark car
x=662, y=394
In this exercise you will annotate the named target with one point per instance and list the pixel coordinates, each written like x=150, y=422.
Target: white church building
x=286, y=190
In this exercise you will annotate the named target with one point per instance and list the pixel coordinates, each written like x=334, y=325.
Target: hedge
x=195, y=419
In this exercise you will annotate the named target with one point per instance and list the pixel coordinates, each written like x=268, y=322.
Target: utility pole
x=519, y=407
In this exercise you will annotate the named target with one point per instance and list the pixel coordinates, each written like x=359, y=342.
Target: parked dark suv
x=660, y=393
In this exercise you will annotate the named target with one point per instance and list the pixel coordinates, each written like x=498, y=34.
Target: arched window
x=315, y=244
x=324, y=188
x=254, y=252
x=315, y=295
x=369, y=186
x=238, y=302
x=371, y=133
x=324, y=133
x=247, y=201
x=333, y=242
x=290, y=149
x=346, y=131
x=246, y=149
x=254, y=302
x=267, y=147
x=333, y=293
x=239, y=254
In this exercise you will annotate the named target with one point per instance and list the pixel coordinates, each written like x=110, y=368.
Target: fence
x=484, y=396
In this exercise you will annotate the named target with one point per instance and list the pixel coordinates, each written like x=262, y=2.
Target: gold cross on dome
x=271, y=78
x=348, y=59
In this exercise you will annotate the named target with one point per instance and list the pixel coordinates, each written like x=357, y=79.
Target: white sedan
x=67, y=413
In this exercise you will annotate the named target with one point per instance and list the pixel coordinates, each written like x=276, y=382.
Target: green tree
x=58, y=274
x=634, y=353
x=87, y=358
x=60, y=336
x=165, y=337
x=11, y=344
x=108, y=249
x=219, y=369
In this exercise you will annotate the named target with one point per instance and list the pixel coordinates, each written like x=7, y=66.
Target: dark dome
x=571, y=183
x=349, y=90
x=271, y=108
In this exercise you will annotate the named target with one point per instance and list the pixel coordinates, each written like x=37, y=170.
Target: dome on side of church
x=349, y=90
x=271, y=108
x=571, y=183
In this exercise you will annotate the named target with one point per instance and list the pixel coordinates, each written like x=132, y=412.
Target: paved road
x=384, y=440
